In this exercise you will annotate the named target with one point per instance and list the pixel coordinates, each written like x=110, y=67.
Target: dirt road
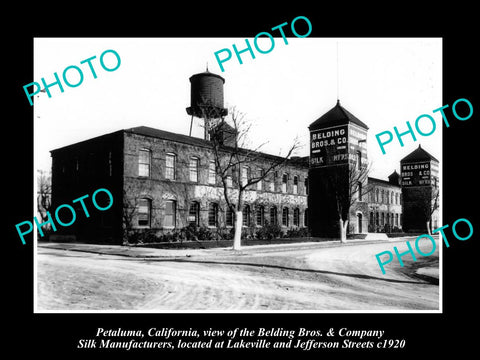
x=333, y=278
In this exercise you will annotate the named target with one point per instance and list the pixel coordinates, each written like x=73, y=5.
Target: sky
x=384, y=82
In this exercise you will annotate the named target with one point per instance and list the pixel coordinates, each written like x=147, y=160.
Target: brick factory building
x=163, y=182
x=167, y=181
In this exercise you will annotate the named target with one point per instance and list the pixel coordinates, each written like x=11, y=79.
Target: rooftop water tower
x=206, y=99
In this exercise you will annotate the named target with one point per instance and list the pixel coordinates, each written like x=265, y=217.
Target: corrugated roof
x=338, y=115
x=418, y=154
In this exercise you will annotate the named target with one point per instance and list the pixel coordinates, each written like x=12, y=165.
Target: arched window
x=169, y=219
x=213, y=214
x=229, y=216
x=246, y=215
x=273, y=215
x=285, y=216
x=296, y=217
x=260, y=215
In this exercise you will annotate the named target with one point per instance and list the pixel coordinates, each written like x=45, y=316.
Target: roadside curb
x=152, y=253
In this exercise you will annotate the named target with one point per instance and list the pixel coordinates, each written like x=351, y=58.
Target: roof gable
x=418, y=154
x=338, y=115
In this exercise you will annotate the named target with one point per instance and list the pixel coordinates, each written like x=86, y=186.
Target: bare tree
x=431, y=202
x=231, y=157
x=129, y=211
x=44, y=194
x=347, y=183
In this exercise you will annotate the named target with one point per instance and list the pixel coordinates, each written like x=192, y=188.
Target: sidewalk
x=146, y=252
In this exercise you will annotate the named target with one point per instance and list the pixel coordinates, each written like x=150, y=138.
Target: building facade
x=385, y=204
x=162, y=182
x=420, y=189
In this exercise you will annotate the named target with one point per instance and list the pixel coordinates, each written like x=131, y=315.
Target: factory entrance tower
x=420, y=191
x=206, y=100
x=337, y=174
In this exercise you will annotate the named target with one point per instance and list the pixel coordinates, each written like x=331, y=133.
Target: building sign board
x=416, y=174
x=329, y=146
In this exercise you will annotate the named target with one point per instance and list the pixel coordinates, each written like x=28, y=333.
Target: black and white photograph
x=261, y=187
x=240, y=181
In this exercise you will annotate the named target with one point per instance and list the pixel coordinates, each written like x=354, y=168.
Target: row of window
x=193, y=171
x=170, y=215
x=386, y=197
x=381, y=219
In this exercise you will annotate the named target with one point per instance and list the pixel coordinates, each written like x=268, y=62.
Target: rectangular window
x=244, y=175
x=229, y=181
x=284, y=183
x=285, y=216
x=295, y=184
x=213, y=214
x=211, y=173
x=193, y=169
x=305, y=218
x=306, y=186
x=260, y=183
x=170, y=166
x=360, y=196
x=144, y=163
x=143, y=210
x=170, y=214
